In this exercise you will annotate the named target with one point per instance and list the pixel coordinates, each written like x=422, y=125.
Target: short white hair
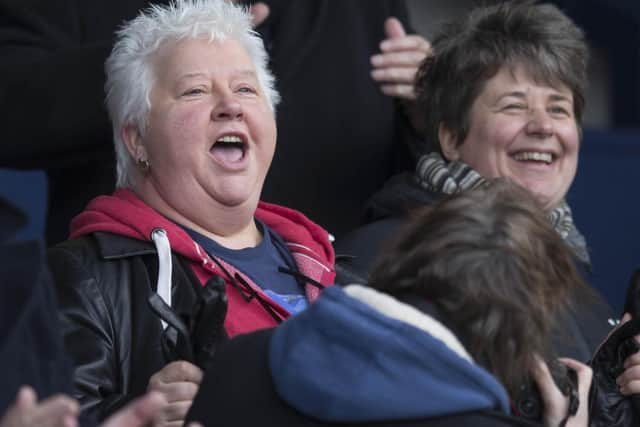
x=129, y=68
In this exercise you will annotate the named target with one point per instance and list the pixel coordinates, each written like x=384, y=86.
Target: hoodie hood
x=124, y=213
x=357, y=355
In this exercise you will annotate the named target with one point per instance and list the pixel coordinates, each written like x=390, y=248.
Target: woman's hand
x=395, y=67
x=178, y=382
x=556, y=405
x=56, y=411
x=63, y=411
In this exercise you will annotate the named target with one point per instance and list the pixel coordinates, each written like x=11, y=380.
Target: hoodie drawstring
x=159, y=237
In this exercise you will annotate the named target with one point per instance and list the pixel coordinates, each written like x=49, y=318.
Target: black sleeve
x=51, y=83
x=88, y=328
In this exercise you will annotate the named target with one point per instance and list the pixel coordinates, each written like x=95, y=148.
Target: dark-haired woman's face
x=523, y=130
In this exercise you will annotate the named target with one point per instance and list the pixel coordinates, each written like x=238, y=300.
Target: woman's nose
x=539, y=124
x=227, y=108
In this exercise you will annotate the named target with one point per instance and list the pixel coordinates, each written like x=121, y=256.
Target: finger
x=408, y=58
x=411, y=42
x=176, y=392
x=177, y=372
x=625, y=318
x=259, y=12
x=632, y=387
x=544, y=380
x=585, y=376
x=138, y=413
x=555, y=404
x=26, y=398
x=70, y=421
x=20, y=412
x=393, y=28
x=56, y=411
x=176, y=411
x=630, y=374
x=399, y=91
x=632, y=360
x=394, y=75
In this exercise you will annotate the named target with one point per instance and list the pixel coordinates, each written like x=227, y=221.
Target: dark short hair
x=470, y=51
x=496, y=271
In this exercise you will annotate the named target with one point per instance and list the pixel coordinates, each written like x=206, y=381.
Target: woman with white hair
x=183, y=254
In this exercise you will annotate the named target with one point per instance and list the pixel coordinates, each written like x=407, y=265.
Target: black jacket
x=114, y=325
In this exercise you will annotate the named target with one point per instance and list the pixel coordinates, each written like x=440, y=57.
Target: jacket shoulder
x=89, y=255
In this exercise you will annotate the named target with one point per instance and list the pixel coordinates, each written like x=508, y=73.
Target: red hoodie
x=124, y=213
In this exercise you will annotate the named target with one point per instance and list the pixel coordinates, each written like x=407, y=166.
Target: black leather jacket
x=103, y=282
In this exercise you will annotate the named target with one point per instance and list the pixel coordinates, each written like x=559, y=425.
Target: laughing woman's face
x=211, y=135
x=523, y=130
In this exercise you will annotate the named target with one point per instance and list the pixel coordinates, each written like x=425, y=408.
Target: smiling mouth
x=229, y=149
x=534, y=156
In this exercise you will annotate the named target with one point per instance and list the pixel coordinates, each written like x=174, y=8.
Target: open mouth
x=229, y=149
x=534, y=156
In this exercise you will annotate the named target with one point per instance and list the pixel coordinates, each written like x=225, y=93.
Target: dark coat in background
x=339, y=137
x=52, y=97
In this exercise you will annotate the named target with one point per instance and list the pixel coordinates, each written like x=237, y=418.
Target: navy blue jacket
x=31, y=349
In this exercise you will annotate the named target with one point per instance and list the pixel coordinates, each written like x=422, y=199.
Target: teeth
x=533, y=155
x=230, y=138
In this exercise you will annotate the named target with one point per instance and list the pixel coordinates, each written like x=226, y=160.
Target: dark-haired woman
x=501, y=96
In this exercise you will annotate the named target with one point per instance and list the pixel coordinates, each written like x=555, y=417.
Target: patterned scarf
x=438, y=176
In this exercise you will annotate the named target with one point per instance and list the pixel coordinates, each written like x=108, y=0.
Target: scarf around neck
x=434, y=174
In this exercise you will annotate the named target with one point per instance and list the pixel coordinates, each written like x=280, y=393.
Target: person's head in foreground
x=482, y=259
x=504, y=94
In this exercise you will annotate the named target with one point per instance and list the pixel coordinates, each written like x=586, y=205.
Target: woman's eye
x=559, y=111
x=515, y=107
x=247, y=89
x=193, y=91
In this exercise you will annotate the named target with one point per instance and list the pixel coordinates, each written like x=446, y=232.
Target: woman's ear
x=448, y=143
x=133, y=141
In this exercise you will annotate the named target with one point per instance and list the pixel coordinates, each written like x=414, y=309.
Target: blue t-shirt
x=261, y=264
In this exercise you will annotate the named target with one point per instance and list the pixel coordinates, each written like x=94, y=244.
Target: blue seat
x=606, y=204
x=28, y=191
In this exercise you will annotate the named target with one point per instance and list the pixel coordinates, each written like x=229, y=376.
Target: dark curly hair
x=496, y=271
x=470, y=51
